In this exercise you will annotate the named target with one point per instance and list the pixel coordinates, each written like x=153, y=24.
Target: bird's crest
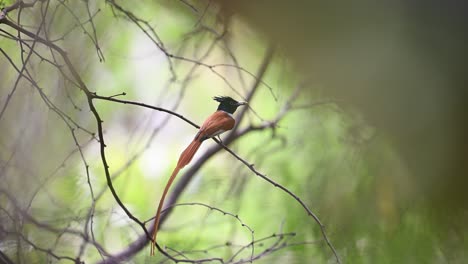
x=223, y=98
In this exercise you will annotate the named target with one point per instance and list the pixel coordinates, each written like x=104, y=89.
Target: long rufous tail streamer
x=184, y=159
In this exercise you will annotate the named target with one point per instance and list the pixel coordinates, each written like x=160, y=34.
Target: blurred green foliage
x=344, y=167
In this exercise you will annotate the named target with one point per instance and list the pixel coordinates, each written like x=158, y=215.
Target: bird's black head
x=227, y=104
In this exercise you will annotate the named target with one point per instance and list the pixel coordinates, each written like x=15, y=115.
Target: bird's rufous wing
x=218, y=122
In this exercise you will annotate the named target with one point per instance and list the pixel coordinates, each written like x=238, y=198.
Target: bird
x=220, y=121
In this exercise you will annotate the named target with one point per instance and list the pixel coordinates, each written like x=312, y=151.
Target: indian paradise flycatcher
x=217, y=123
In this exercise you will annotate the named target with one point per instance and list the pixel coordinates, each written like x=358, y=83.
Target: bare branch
x=34, y=39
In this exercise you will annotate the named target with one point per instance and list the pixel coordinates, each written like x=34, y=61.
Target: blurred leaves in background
x=360, y=113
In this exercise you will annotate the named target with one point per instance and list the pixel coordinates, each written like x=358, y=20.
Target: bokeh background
x=359, y=109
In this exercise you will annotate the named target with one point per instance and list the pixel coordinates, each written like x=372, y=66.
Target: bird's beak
x=241, y=103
